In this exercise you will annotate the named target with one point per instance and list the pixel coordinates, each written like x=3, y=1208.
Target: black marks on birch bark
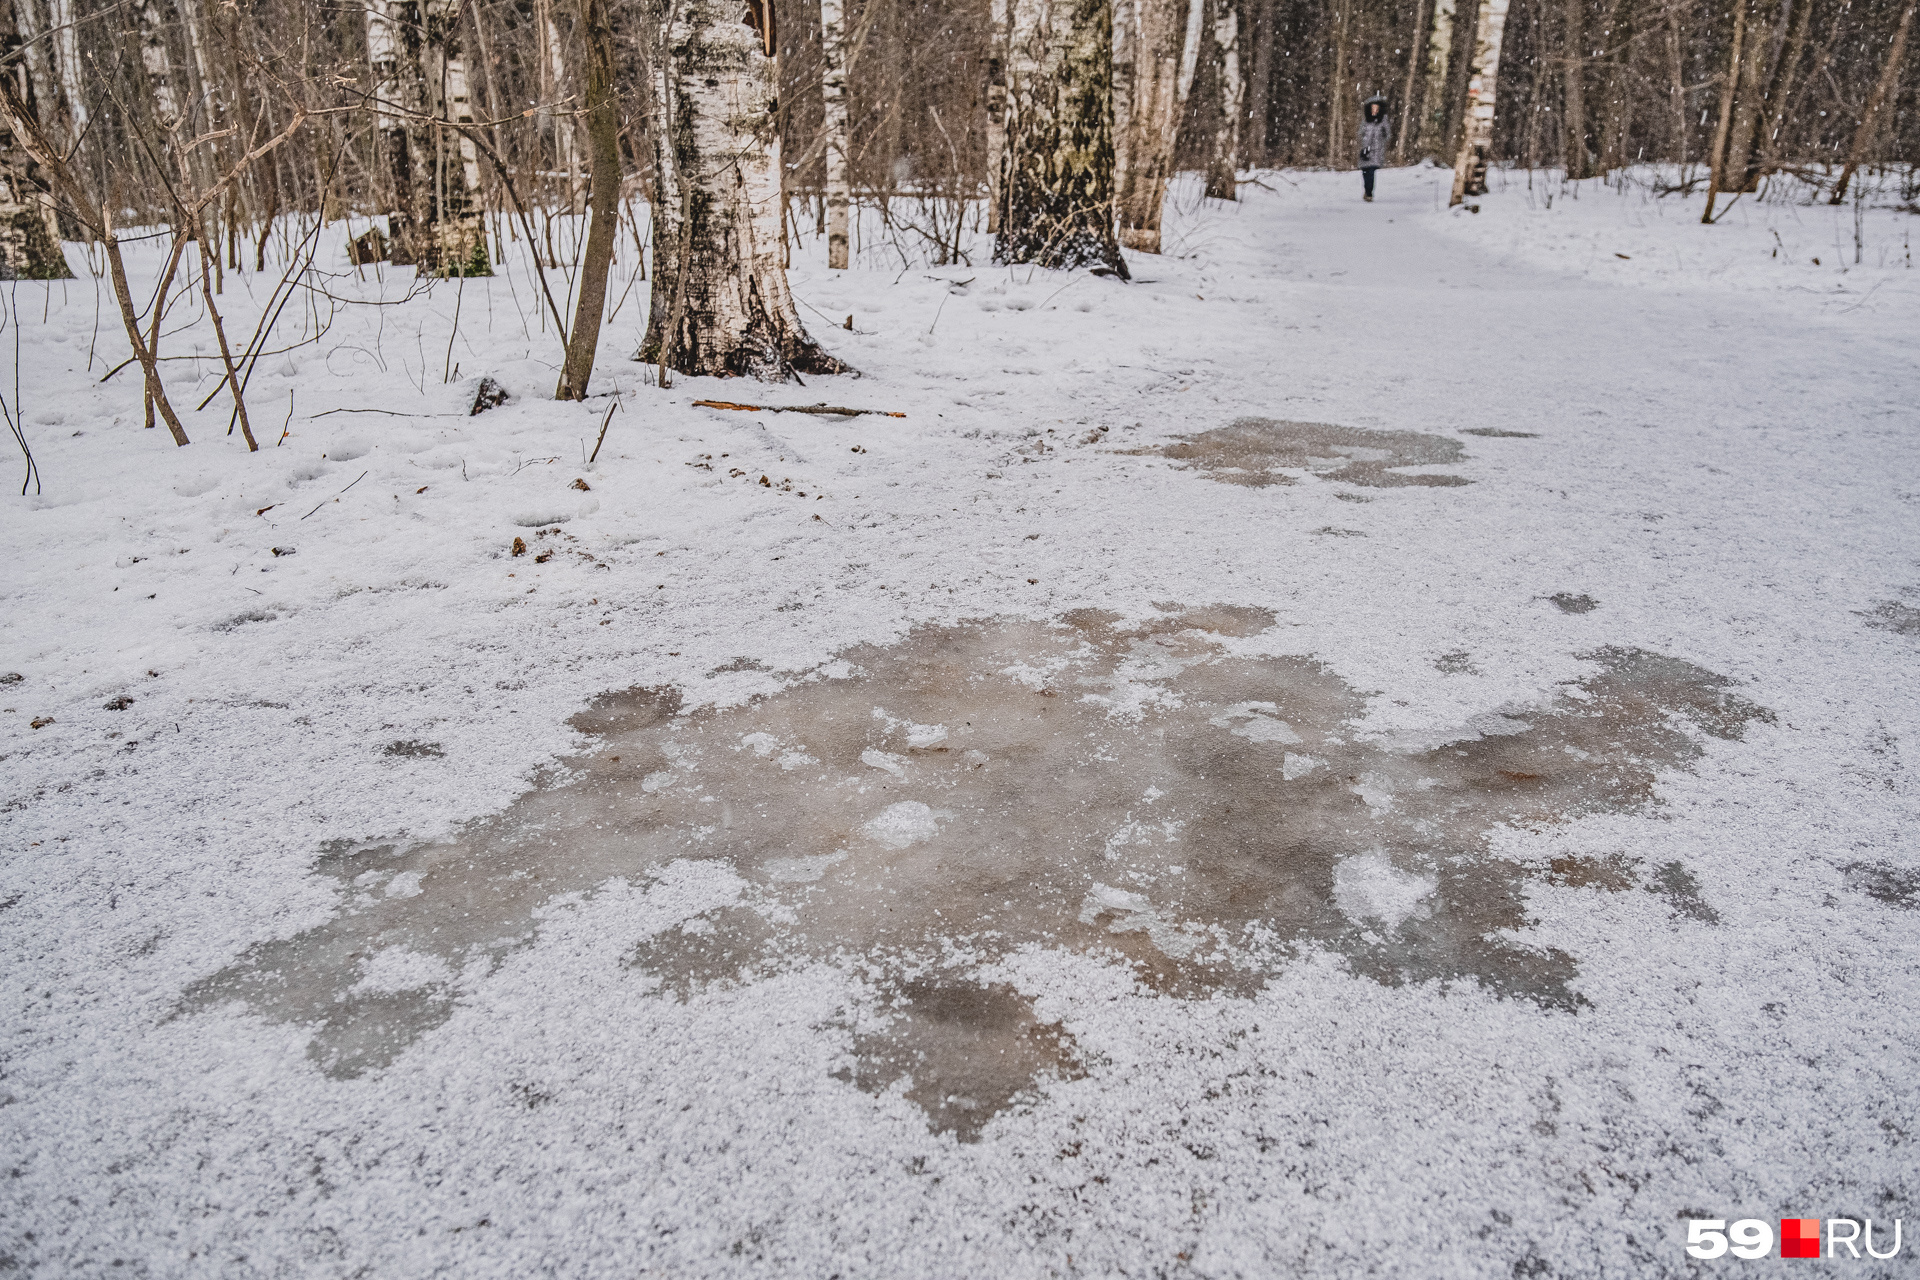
x=1056, y=183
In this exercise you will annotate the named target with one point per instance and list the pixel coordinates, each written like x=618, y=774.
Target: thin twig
x=336, y=497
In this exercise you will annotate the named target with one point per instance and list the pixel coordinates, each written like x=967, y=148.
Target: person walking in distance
x=1374, y=128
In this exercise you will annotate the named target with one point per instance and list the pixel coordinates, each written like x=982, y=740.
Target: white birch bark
x=1190, y=47
x=1470, y=166
x=1221, y=179
x=1150, y=78
x=996, y=109
x=1433, y=112
x=833, y=89
x=29, y=228
x=459, y=239
x=395, y=94
x=158, y=62
x=720, y=302
x=66, y=42
x=1056, y=205
x=553, y=76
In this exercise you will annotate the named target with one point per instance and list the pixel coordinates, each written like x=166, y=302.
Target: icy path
x=1531, y=1032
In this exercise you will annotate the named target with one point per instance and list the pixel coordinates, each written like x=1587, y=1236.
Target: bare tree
x=1579, y=160
x=1867, y=131
x=603, y=136
x=721, y=306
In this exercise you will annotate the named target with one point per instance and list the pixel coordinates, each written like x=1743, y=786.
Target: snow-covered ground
x=292, y=989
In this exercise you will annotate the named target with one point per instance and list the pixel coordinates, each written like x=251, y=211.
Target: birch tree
x=420, y=78
x=1222, y=182
x=1056, y=199
x=556, y=125
x=996, y=109
x=720, y=302
x=833, y=91
x=458, y=242
x=1470, y=166
x=157, y=61
x=29, y=226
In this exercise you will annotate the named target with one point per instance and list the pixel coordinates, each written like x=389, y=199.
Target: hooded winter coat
x=1374, y=130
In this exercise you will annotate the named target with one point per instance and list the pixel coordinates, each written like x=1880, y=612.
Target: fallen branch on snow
x=832, y=410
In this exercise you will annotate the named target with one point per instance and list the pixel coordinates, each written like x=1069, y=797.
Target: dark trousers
x=1366, y=176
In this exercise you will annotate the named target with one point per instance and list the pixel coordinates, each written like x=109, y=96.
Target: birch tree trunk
x=996, y=109
x=1222, y=182
x=1470, y=166
x=1435, y=110
x=1153, y=36
x=397, y=98
x=1869, y=128
x=457, y=245
x=561, y=128
x=66, y=41
x=1056, y=206
x=29, y=227
x=157, y=61
x=833, y=88
x=720, y=302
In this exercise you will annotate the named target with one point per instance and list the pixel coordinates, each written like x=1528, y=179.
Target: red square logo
x=1799, y=1237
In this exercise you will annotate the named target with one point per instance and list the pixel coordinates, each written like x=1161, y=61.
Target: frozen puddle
x=1142, y=792
x=1259, y=451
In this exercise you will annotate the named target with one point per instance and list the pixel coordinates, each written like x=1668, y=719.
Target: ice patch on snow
x=903, y=824
x=1369, y=888
x=1256, y=722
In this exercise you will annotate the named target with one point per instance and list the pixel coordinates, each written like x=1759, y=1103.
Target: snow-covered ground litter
x=1712, y=463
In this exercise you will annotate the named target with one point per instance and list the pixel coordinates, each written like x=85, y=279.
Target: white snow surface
x=1725, y=459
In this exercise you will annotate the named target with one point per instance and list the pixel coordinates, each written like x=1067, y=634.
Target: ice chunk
x=405, y=885
x=1370, y=887
x=1257, y=722
x=1133, y=913
x=903, y=824
x=922, y=736
x=895, y=765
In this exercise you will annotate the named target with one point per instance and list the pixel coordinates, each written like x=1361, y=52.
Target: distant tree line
x=461, y=126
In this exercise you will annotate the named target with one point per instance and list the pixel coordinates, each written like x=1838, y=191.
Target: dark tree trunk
x=603, y=136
